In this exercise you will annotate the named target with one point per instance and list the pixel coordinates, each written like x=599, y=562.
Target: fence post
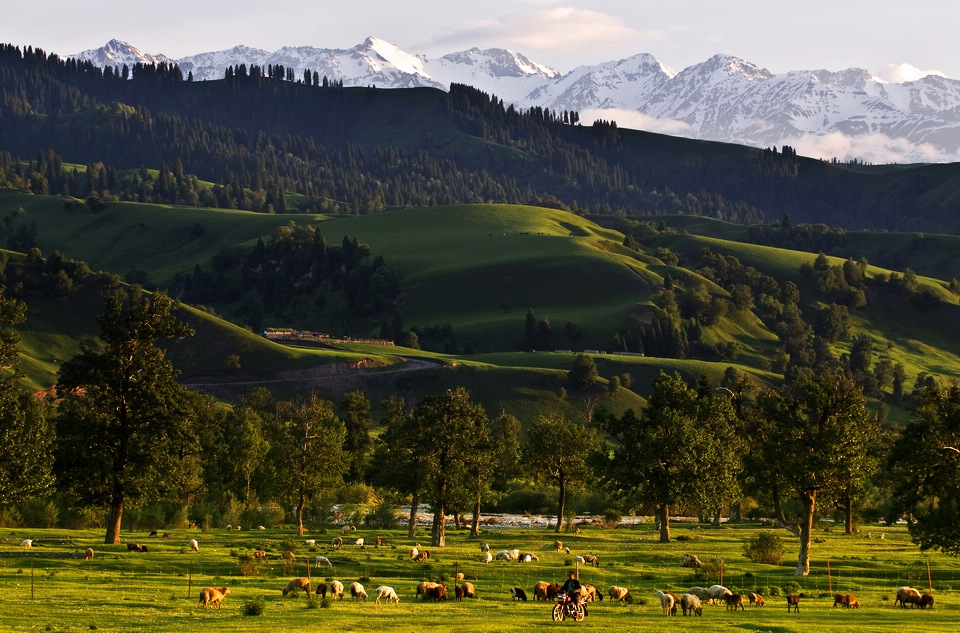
x=829, y=577
x=190, y=581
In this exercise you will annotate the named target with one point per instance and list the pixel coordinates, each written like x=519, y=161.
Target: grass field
x=50, y=588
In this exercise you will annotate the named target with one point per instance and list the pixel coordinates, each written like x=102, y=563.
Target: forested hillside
x=260, y=134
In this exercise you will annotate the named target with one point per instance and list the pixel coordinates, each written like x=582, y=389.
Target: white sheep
x=336, y=590
x=579, y=559
x=194, y=545
x=700, y=592
x=484, y=547
x=359, y=542
x=311, y=542
x=337, y=542
x=503, y=555
x=323, y=561
x=486, y=557
x=27, y=542
x=619, y=593
x=387, y=593
x=666, y=601
x=690, y=604
x=357, y=591
x=346, y=529
x=414, y=552
x=514, y=554
x=717, y=592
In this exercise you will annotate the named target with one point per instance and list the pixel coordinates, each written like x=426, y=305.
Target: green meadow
x=50, y=588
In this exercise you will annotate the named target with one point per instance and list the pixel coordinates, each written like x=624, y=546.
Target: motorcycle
x=568, y=607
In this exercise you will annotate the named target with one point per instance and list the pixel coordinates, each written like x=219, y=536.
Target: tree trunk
x=116, y=514
x=439, y=537
x=563, y=502
x=717, y=517
x=475, y=526
x=808, y=500
x=848, y=512
x=412, y=525
x=735, y=514
x=300, y=505
x=665, y=523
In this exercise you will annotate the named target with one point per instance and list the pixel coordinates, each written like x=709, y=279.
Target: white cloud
x=901, y=73
x=873, y=148
x=556, y=29
x=637, y=121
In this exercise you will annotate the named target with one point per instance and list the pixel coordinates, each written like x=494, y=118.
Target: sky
x=894, y=40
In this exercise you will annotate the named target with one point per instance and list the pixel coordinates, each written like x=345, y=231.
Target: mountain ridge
x=724, y=98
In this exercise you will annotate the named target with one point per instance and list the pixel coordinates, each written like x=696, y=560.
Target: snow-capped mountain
x=845, y=114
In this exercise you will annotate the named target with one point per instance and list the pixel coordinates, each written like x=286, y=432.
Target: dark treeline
x=357, y=150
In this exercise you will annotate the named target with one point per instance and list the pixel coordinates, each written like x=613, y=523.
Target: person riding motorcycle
x=572, y=589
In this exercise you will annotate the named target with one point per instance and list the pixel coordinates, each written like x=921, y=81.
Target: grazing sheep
x=259, y=555
x=358, y=542
x=131, y=547
x=336, y=590
x=458, y=593
x=356, y=590
x=503, y=555
x=620, y=594
x=566, y=550
x=387, y=593
x=213, y=596
x=691, y=604
x=346, y=529
x=591, y=560
x=540, y=591
x=414, y=552
x=422, y=556
x=422, y=588
x=526, y=557
x=436, y=594
x=323, y=561
x=518, y=594
x=579, y=559
x=88, y=555
x=514, y=554
x=756, y=598
x=666, y=601
x=926, y=600
x=297, y=584
x=311, y=542
x=905, y=595
x=486, y=557
x=590, y=592
x=484, y=547
x=557, y=546
x=717, y=592
x=794, y=601
x=320, y=589
x=289, y=556
x=229, y=527
x=676, y=602
x=733, y=601
x=469, y=591
x=260, y=527
x=700, y=592
x=167, y=535
x=689, y=560
x=553, y=590
x=194, y=545
x=337, y=542
x=153, y=534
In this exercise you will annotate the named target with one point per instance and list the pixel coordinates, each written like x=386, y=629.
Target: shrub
x=775, y=591
x=791, y=588
x=763, y=591
x=248, y=565
x=255, y=606
x=766, y=547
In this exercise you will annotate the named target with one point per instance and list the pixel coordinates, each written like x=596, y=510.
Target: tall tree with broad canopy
x=354, y=410
x=683, y=447
x=924, y=467
x=823, y=434
x=307, y=439
x=26, y=433
x=561, y=450
x=399, y=462
x=123, y=411
x=453, y=431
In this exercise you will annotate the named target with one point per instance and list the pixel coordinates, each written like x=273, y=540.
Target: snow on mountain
x=723, y=98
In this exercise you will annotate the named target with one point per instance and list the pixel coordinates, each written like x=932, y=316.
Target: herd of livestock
x=690, y=603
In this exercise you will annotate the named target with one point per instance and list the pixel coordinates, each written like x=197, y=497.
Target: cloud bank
x=902, y=73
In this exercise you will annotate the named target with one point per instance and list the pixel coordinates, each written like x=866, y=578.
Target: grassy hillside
x=479, y=269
